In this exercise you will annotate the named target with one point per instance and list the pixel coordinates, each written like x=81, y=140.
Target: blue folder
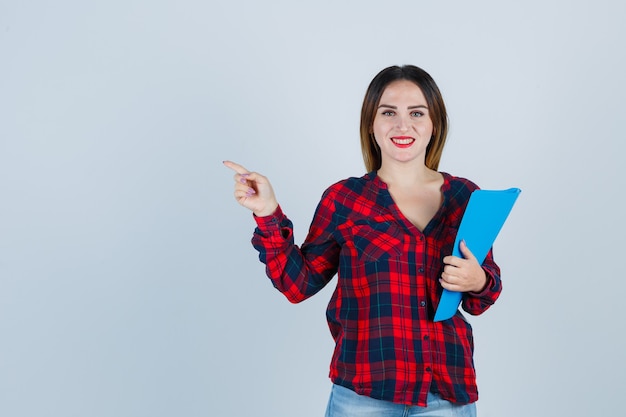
x=484, y=216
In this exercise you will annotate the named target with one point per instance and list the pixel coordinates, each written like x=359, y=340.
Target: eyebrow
x=419, y=106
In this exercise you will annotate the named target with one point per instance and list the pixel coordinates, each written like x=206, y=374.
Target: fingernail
x=250, y=192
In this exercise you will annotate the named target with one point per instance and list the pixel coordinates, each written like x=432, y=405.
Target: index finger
x=236, y=167
x=452, y=260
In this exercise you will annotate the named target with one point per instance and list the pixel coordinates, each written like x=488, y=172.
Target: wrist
x=266, y=211
x=482, y=287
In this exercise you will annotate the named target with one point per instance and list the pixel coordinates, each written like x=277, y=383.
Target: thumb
x=256, y=178
x=467, y=254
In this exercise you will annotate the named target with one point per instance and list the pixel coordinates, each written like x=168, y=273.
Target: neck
x=406, y=175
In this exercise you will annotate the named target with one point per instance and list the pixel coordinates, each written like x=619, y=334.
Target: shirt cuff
x=269, y=222
x=487, y=289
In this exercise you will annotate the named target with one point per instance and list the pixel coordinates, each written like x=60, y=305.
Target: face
x=402, y=126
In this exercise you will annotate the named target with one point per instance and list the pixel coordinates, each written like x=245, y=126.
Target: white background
x=128, y=285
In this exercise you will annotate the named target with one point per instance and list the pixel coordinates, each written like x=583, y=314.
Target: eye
x=417, y=114
x=388, y=113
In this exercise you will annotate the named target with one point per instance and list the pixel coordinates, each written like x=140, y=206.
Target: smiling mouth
x=403, y=141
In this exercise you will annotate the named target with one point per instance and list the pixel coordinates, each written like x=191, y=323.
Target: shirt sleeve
x=298, y=272
x=477, y=303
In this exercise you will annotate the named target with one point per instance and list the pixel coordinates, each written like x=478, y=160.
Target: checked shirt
x=380, y=314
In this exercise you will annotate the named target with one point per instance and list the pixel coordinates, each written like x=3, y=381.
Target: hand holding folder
x=484, y=216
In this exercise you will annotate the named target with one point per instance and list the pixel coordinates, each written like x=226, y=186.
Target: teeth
x=402, y=141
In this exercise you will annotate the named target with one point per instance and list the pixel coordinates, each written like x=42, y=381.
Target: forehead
x=402, y=90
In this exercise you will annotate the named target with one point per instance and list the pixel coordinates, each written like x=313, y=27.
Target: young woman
x=388, y=236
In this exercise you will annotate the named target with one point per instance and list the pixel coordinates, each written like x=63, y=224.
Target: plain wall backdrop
x=128, y=285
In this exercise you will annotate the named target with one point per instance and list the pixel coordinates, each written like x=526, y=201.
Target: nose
x=403, y=123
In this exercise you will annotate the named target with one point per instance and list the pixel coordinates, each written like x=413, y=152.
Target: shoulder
x=459, y=184
x=457, y=191
x=351, y=185
x=343, y=196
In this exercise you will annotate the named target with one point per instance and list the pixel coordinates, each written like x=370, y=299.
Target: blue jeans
x=347, y=403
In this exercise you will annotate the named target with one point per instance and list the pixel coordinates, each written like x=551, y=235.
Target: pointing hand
x=253, y=190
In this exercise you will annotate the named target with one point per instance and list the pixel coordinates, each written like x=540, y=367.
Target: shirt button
x=426, y=337
x=422, y=303
x=428, y=369
x=421, y=270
